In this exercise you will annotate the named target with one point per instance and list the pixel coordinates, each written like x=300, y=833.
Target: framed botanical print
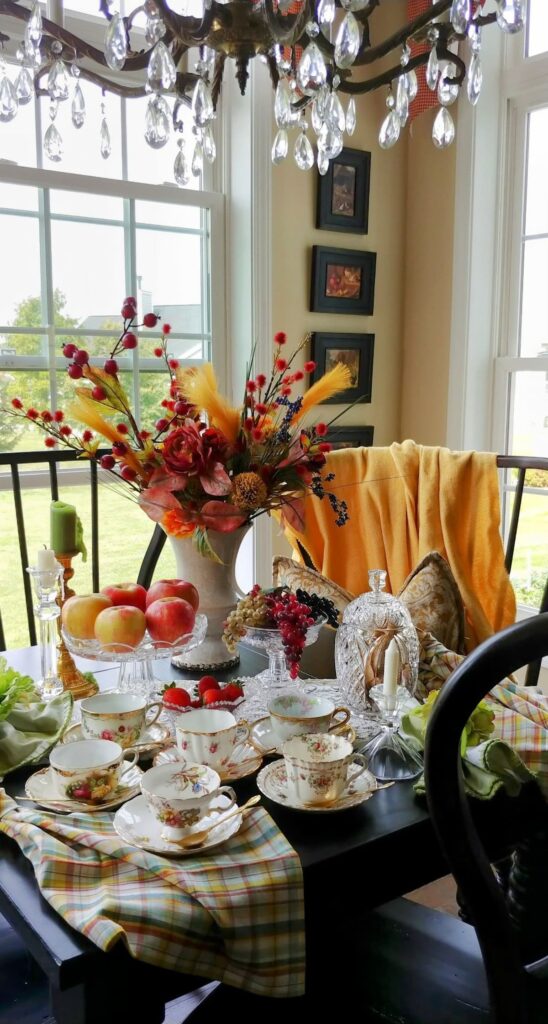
x=343, y=280
x=343, y=193
x=354, y=351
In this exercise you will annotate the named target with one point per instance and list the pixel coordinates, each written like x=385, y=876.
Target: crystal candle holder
x=390, y=757
x=47, y=586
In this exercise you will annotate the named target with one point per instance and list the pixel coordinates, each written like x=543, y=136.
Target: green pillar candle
x=66, y=533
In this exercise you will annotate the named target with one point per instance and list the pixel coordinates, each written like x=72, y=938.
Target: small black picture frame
x=343, y=280
x=342, y=202
x=350, y=437
x=352, y=350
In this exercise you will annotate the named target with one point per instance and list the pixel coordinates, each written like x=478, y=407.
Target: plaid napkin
x=236, y=914
x=518, y=749
x=521, y=719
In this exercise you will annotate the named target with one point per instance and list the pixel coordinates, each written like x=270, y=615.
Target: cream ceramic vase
x=219, y=593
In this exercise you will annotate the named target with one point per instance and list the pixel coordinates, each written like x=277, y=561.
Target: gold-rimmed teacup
x=295, y=714
x=120, y=717
x=210, y=736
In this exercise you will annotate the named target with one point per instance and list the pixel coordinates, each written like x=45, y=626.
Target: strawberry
x=211, y=696
x=207, y=683
x=177, y=696
x=197, y=703
x=233, y=691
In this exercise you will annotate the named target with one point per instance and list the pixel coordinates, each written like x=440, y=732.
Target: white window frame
x=211, y=203
x=490, y=184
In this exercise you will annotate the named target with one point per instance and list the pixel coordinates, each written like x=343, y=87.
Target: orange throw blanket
x=405, y=501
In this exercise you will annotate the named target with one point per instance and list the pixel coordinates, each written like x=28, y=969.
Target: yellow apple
x=120, y=627
x=79, y=613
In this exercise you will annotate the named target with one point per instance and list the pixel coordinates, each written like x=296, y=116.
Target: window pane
x=19, y=266
x=170, y=268
x=528, y=434
x=154, y=165
x=534, y=303
x=82, y=147
x=88, y=266
x=32, y=387
x=18, y=136
x=536, y=218
x=171, y=214
x=18, y=197
x=537, y=32
x=81, y=204
x=153, y=388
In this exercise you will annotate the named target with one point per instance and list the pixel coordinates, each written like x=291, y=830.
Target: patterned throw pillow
x=433, y=600
x=287, y=573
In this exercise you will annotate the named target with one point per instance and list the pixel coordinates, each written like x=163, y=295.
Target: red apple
x=127, y=593
x=174, y=588
x=169, y=618
x=120, y=626
x=79, y=613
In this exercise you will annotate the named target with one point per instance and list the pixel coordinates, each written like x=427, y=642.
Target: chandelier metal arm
x=216, y=83
x=387, y=77
x=12, y=8
x=370, y=54
x=287, y=30
x=129, y=92
x=191, y=31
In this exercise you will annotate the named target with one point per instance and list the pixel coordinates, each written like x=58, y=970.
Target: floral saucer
x=246, y=762
x=40, y=787
x=267, y=743
x=272, y=782
x=136, y=825
x=152, y=736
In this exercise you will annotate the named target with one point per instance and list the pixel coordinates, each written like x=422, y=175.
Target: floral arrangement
x=204, y=464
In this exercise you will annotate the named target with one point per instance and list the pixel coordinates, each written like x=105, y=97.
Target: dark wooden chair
x=51, y=460
x=421, y=966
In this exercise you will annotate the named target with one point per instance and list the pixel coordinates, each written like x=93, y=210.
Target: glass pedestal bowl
x=276, y=677
x=136, y=672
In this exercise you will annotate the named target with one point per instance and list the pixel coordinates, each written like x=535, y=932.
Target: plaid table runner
x=236, y=915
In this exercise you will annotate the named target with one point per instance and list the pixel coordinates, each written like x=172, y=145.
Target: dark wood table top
x=360, y=857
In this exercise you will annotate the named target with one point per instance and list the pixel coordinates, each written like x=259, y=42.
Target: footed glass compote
x=136, y=672
x=276, y=677
x=390, y=757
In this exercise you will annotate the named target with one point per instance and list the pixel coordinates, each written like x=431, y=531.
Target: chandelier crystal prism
x=316, y=50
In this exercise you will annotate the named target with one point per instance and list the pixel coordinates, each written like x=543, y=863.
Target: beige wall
x=294, y=234
x=429, y=223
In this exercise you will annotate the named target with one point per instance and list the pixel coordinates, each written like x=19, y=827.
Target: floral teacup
x=120, y=717
x=89, y=769
x=319, y=766
x=181, y=795
x=210, y=737
x=293, y=714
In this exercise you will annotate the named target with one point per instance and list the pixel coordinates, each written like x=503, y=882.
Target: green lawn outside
x=124, y=532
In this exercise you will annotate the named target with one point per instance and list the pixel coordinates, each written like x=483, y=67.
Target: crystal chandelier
x=313, y=49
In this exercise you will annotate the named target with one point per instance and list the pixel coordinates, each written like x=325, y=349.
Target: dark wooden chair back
x=510, y=922
x=50, y=460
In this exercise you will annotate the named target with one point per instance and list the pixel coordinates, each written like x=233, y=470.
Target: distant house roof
x=184, y=319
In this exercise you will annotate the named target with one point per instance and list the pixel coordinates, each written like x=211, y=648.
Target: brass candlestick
x=70, y=676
